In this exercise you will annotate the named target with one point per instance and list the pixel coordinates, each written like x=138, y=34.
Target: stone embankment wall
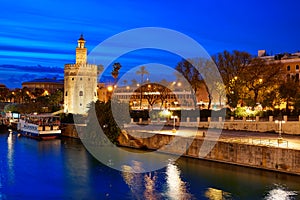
x=69, y=130
x=257, y=156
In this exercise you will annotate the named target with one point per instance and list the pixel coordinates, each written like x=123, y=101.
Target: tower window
x=73, y=79
x=297, y=67
x=66, y=93
x=288, y=68
x=80, y=93
x=80, y=104
x=81, y=79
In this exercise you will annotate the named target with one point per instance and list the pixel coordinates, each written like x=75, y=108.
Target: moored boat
x=42, y=126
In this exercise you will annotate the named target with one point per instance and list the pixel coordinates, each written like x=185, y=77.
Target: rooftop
x=46, y=80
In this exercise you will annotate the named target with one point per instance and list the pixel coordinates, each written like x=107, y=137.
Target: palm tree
x=115, y=72
x=142, y=72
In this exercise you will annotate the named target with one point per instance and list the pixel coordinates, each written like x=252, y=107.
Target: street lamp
x=280, y=122
x=174, y=122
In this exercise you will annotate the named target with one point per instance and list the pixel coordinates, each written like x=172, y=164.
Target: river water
x=63, y=169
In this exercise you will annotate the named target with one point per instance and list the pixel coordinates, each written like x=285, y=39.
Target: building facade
x=290, y=63
x=178, y=97
x=49, y=84
x=80, y=82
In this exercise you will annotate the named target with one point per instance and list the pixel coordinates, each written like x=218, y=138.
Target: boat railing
x=43, y=123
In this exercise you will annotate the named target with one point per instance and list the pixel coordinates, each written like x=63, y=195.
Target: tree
x=163, y=94
x=105, y=118
x=134, y=82
x=231, y=66
x=150, y=94
x=55, y=99
x=259, y=76
x=115, y=72
x=4, y=91
x=191, y=74
x=288, y=91
x=142, y=72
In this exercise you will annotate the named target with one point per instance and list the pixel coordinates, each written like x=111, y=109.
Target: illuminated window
x=288, y=68
x=80, y=93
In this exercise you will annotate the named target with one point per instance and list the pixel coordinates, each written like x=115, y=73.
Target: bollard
x=220, y=119
x=140, y=120
x=198, y=119
x=270, y=118
x=257, y=118
x=285, y=118
x=131, y=120
x=244, y=119
x=231, y=118
x=208, y=119
x=187, y=119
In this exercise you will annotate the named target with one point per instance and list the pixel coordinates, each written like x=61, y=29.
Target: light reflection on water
x=150, y=187
x=280, y=193
x=10, y=157
x=63, y=169
x=176, y=188
x=216, y=194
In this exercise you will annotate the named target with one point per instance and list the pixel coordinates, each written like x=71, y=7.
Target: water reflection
x=176, y=188
x=134, y=180
x=10, y=158
x=215, y=194
x=63, y=169
x=150, y=190
x=149, y=186
x=279, y=193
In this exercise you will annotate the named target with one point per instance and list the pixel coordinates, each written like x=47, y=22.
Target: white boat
x=42, y=126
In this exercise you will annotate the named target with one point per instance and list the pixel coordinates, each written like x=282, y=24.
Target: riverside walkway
x=233, y=136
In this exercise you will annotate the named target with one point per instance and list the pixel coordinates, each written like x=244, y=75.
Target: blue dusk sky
x=38, y=37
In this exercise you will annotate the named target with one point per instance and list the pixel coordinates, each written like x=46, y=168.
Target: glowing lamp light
x=110, y=88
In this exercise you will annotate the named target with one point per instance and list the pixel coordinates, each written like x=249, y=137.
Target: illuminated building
x=49, y=84
x=80, y=82
x=290, y=62
x=178, y=97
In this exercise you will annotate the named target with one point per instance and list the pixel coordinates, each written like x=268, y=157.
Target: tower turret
x=81, y=51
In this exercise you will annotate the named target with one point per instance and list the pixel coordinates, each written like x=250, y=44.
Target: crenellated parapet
x=80, y=70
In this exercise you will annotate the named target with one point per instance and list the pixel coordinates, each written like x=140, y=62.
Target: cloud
x=13, y=75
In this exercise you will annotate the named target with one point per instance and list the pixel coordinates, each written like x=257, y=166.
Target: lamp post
x=174, y=123
x=279, y=122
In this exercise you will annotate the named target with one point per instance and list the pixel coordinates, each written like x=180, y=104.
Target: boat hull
x=38, y=136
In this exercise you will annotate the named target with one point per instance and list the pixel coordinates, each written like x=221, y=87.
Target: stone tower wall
x=80, y=83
